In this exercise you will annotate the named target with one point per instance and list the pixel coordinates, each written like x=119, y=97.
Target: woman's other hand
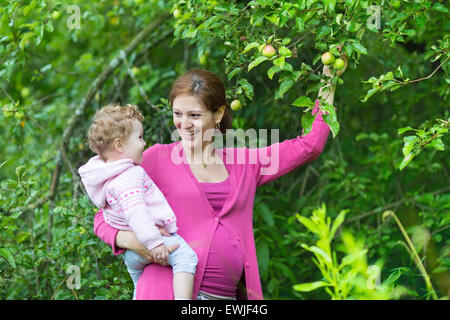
x=160, y=254
x=127, y=240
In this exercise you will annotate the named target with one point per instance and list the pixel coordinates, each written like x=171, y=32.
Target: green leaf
x=1, y=165
x=189, y=33
x=406, y=161
x=410, y=142
x=311, y=226
x=330, y=4
x=361, y=136
x=323, y=31
x=25, y=39
x=257, y=61
x=330, y=118
x=273, y=18
x=303, y=102
x=6, y=253
x=234, y=72
x=271, y=72
x=250, y=46
x=285, y=52
x=370, y=93
x=337, y=222
x=286, y=41
x=279, y=62
x=263, y=254
x=300, y=24
x=389, y=76
x=437, y=144
x=264, y=3
x=440, y=8
x=266, y=214
x=403, y=130
x=307, y=121
x=29, y=7
x=410, y=33
x=284, y=87
x=319, y=252
x=310, y=286
x=248, y=88
x=284, y=17
x=399, y=72
x=352, y=26
x=359, y=48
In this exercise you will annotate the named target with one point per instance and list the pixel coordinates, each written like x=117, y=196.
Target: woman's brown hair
x=207, y=88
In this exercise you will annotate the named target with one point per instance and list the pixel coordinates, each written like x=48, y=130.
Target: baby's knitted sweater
x=129, y=198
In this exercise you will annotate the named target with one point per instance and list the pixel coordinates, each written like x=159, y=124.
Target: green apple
x=395, y=3
x=269, y=51
x=8, y=110
x=135, y=70
x=19, y=115
x=236, y=105
x=25, y=92
x=56, y=14
x=114, y=21
x=328, y=58
x=176, y=14
x=339, y=64
x=202, y=59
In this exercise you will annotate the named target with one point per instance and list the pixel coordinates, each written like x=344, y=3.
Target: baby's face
x=134, y=146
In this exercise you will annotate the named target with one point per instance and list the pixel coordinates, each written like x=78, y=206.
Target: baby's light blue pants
x=183, y=259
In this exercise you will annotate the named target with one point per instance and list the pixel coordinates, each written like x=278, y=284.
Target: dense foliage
x=369, y=219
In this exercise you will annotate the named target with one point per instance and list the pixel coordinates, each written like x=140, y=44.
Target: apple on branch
x=235, y=105
x=176, y=14
x=337, y=68
x=339, y=64
x=328, y=58
x=268, y=51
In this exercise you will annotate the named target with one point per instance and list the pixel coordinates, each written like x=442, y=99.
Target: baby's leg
x=184, y=262
x=135, y=266
x=183, y=284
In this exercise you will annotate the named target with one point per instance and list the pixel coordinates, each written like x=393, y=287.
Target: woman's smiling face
x=192, y=119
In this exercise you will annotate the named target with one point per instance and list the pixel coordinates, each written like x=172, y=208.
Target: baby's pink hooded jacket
x=129, y=198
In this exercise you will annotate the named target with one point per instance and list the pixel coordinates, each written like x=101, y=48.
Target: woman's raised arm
x=281, y=158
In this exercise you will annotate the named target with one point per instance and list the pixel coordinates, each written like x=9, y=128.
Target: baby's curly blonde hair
x=111, y=122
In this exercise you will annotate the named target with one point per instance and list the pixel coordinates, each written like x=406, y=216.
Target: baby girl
x=130, y=200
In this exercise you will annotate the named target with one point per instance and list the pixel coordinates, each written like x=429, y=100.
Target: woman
x=212, y=191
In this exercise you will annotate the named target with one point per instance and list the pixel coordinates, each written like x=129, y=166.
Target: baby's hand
x=160, y=254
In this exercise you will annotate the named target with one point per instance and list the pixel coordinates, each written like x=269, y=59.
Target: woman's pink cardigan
x=248, y=169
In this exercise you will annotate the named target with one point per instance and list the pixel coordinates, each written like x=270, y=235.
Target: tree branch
x=85, y=102
x=95, y=86
x=391, y=205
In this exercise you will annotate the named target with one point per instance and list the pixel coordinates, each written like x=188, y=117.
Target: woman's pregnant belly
x=224, y=265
